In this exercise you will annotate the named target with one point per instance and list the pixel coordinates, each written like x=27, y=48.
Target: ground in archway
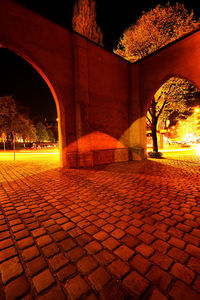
x=124, y=231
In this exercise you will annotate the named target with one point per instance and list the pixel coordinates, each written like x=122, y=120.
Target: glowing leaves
x=155, y=29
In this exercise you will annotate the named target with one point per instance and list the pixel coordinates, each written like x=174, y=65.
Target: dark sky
x=18, y=78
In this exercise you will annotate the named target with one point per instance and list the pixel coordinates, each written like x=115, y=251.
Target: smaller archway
x=35, y=101
x=172, y=104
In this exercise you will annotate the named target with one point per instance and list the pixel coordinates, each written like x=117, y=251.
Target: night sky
x=19, y=78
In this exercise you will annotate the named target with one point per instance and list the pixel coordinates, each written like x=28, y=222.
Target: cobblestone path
x=124, y=231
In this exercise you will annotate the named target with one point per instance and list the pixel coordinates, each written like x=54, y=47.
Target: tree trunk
x=154, y=121
x=154, y=134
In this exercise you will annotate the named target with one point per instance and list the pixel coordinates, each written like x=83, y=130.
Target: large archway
x=34, y=98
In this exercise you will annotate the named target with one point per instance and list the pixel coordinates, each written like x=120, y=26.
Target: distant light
x=198, y=149
x=196, y=110
x=57, y=119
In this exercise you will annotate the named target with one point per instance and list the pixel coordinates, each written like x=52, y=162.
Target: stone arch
x=50, y=86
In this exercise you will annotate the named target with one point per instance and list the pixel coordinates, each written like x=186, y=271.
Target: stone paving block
x=157, y=295
x=99, y=278
x=118, y=233
x=76, y=253
x=38, y=232
x=7, y=253
x=115, y=290
x=50, y=250
x=104, y=257
x=30, y=253
x=36, y=265
x=133, y=230
x=140, y=263
x=178, y=254
x=194, y=264
x=182, y=272
x=93, y=247
x=59, y=235
x=4, y=235
x=136, y=283
x=43, y=280
x=180, y=291
x=6, y=243
x=66, y=272
x=77, y=287
x=10, y=269
x=24, y=243
x=196, y=284
x=86, y=264
x=53, y=293
x=110, y=243
x=101, y=235
x=67, y=244
x=160, y=246
x=118, y=268
x=17, y=288
x=162, y=260
x=21, y=234
x=58, y=261
x=43, y=240
x=124, y=252
x=159, y=277
x=193, y=250
x=145, y=250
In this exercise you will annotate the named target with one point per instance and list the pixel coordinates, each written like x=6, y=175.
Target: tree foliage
x=84, y=20
x=11, y=120
x=155, y=29
x=24, y=128
x=8, y=112
x=42, y=134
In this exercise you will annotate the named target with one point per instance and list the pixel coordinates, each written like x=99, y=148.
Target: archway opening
x=28, y=120
x=173, y=119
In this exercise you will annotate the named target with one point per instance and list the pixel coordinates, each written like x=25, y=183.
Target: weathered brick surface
x=129, y=231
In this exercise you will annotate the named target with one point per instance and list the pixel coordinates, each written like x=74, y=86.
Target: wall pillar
x=82, y=102
x=137, y=122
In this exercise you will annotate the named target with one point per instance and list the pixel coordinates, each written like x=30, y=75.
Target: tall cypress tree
x=84, y=20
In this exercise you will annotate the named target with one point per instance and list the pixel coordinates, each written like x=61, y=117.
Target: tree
x=24, y=128
x=174, y=98
x=41, y=131
x=155, y=29
x=15, y=118
x=84, y=20
x=51, y=135
x=8, y=112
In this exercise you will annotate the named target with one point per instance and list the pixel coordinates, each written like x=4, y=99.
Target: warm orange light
x=197, y=110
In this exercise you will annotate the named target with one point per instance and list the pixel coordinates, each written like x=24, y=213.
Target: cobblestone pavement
x=124, y=231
